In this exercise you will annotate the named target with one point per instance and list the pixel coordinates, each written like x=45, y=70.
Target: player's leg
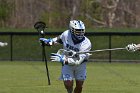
x=69, y=85
x=80, y=76
x=79, y=86
x=67, y=76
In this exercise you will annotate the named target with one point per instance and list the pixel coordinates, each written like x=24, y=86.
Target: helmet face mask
x=79, y=33
x=77, y=29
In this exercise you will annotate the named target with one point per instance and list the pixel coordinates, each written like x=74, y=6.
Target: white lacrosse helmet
x=77, y=28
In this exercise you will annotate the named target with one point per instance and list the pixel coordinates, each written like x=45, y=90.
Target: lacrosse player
x=133, y=47
x=73, y=67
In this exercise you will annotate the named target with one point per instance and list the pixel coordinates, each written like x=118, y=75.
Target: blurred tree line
x=57, y=13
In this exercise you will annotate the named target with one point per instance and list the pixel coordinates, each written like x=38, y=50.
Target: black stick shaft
x=45, y=59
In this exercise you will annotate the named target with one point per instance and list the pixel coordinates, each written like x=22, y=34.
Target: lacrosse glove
x=58, y=58
x=132, y=47
x=47, y=42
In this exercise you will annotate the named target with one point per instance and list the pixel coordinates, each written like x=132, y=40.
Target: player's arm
x=51, y=41
x=68, y=60
x=71, y=60
x=138, y=45
x=78, y=60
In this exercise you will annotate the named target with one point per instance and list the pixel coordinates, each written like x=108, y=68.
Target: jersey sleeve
x=59, y=39
x=85, y=48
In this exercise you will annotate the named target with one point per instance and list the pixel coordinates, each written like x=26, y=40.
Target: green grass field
x=30, y=77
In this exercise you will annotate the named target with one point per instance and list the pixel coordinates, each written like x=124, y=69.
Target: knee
x=68, y=84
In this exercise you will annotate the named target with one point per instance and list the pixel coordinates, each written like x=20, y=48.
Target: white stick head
x=3, y=44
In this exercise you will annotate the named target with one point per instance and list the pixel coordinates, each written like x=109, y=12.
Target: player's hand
x=3, y=44
x=132, y=47
x=57, y=57
x=47, y=42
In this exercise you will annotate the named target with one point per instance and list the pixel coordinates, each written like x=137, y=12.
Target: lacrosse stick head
x=40, y=26
x=3, y=44
x=67, y=53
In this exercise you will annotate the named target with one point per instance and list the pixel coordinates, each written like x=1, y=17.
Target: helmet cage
x=78, y=33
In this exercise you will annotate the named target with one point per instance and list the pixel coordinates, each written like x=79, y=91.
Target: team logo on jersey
x=72, y=47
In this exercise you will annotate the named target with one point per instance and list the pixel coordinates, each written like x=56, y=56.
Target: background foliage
x=98, y=15
x=57, y=13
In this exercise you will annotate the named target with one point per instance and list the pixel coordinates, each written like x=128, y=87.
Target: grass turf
x=30, y=77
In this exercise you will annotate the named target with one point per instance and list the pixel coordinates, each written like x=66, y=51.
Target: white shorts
x=73, y=72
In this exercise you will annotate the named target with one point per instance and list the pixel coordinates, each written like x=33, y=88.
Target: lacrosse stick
x=40, y=26
x=72, y=53
x=101, y=50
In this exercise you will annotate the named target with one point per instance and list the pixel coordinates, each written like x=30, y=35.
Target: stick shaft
x=101, y=50
x=45, y=59
x=44, y=56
